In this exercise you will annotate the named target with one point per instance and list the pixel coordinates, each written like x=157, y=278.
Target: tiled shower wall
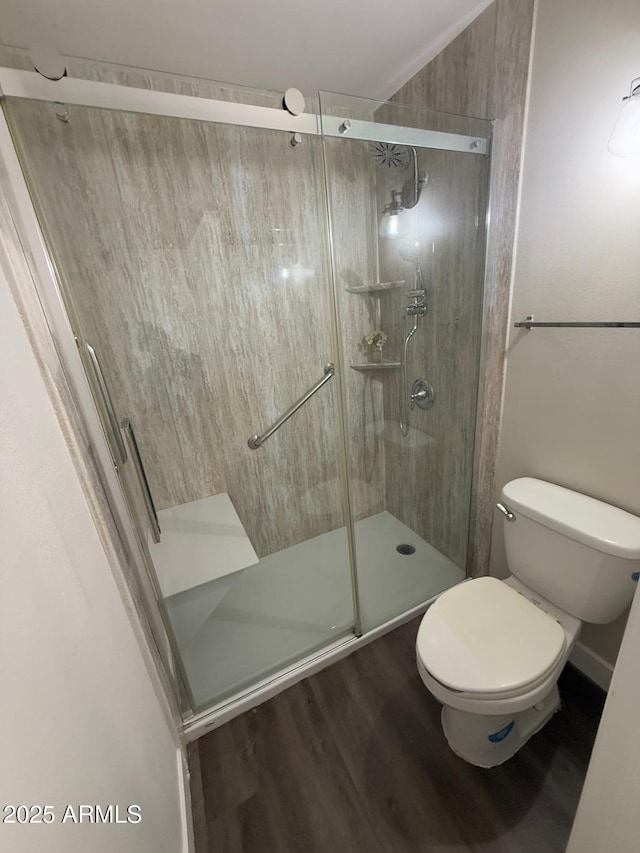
x=429, y=471
x=196, y=259
x=484, y=73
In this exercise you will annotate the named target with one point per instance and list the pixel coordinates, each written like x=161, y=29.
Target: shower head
x=389, y=155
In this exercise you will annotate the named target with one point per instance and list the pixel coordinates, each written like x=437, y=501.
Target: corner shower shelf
x=376, y=365
x=377, y=287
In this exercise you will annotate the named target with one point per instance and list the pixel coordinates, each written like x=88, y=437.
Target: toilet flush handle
x=506, y=512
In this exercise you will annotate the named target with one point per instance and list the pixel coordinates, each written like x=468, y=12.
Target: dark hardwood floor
x=353, y=760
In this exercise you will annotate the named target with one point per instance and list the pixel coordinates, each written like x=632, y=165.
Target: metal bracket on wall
x=529, y=323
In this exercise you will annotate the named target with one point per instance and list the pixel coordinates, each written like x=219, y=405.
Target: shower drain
x=405, y=549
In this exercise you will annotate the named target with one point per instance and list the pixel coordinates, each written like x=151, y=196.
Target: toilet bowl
x=492, y=705
x=491, y=651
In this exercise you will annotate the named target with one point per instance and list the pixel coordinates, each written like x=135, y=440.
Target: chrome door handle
x=141, y=474
x=107, y=402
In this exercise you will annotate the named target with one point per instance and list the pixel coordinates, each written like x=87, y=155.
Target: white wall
x=79, y=718
x=572, y=408
x=608, y=818
x=363, y=47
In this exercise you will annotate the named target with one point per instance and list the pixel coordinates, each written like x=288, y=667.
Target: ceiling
x=359, y=47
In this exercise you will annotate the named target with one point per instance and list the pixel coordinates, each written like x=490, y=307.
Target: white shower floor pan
x=297, y=601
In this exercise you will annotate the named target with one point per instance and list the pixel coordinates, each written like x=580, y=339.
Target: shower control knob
x=417, y=310
x=422, y=394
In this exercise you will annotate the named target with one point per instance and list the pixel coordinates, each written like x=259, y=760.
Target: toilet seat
x=485, y=640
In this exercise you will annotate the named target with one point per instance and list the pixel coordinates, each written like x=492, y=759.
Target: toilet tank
x=575, y=551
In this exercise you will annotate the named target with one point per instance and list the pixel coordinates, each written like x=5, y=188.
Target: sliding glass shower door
x=281, y=331
x=408, y=241
x=194, y=266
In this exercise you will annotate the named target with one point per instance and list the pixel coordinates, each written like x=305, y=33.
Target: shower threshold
x=217, y=715
x=293, y=609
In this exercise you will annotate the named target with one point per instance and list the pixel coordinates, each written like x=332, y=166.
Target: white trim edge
x=186, y=811
x=591, y=665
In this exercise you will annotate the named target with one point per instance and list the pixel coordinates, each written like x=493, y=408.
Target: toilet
x=491, y=651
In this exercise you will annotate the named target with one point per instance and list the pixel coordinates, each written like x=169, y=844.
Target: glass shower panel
x=193, y=261
x=408, y=263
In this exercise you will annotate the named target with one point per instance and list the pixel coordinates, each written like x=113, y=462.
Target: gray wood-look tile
x=354, y=760
x=484, y=72
x=428, y=486
x=514, y=32
x=427, y=481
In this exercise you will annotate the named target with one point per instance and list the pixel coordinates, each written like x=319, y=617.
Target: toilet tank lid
x=597, y=524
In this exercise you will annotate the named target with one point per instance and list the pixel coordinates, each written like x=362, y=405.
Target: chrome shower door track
x=111, y=96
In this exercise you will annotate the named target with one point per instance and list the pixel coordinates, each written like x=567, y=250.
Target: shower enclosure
x=222, y=265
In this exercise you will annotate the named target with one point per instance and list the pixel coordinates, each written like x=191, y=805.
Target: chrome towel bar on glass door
x=141, y=474
x=257, y=440
x=110, y=410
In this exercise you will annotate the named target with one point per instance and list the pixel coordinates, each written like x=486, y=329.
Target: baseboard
x=591, y=665
x=186, y=810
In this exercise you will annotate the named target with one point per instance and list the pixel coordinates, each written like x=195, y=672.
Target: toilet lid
x=484, y=637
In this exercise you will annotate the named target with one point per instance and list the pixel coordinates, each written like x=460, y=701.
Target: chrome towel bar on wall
x=530, y=323
x=257, y=441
